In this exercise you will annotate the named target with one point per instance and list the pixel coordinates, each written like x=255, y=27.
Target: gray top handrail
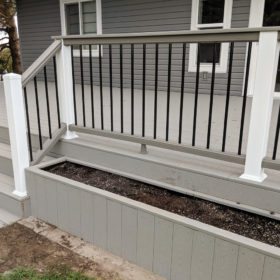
x=40, y=62
x=197, y=36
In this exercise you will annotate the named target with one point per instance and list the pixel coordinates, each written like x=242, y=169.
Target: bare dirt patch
x=21, y=246
x=249, y=225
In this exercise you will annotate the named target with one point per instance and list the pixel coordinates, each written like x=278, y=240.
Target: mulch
x=243, y=223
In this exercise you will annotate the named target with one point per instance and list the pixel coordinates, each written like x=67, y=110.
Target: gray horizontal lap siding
x=39, y=20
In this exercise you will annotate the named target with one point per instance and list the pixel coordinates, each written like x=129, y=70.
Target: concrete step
x=12, y=204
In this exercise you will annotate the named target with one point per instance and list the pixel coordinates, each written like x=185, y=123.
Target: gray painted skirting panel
x=175, y=247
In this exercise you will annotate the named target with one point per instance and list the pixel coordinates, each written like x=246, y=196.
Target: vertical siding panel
x=51, y=197
x=62, y=207
x=181, y=253
x=87, y=216
x=163, y=247
x=225, y=260
x=41, y=198
x=145, y=240
x=114, y=227
x=129, y=234
x=250, y=265
x=271, y=269
x=74, y=208
x=100, y=222
x=32, y=190
x=202, y=256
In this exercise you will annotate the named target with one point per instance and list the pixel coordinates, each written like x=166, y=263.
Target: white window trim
x=95, y=53
x=207, y=67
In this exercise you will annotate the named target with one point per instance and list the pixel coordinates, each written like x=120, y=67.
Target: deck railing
x=142, y=63
x=114, y=47
x=23, y=138
x=276, y=141
x=143, y=70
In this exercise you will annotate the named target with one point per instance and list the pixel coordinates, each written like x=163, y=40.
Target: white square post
x=262, y=104
x=255, y=20
x=65, y=88
x=17, y=130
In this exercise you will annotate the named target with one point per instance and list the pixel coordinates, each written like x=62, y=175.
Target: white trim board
x=95, y=53
x=222, y=66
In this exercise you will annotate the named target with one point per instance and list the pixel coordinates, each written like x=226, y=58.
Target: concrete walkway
x=202, y=117
x=108, y=262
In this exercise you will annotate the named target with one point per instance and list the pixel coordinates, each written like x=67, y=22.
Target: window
x=81, y=17
x=210, y=14
x=206, y=52
x=211, y=11
x=271, y=13
x=272, y=18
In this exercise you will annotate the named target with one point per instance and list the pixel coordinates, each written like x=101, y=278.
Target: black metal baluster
x=156, y=93
x=111, y=87
x=276, y=137
x=144, y=91
x=101, y=87
x=91, y=86
x=28, y=125
x=38, y=113
x=182, y=93
x=211, y=96
x=82, y=84
x=168, y=91
x=47, y=100
x=196, y=94
x=121, y=85
x=132, y=89
x=56, y=92
x=244, y=98
x=228, y=96
x=74, y=85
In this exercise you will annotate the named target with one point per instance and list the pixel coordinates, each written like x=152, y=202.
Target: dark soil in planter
x=250, y=225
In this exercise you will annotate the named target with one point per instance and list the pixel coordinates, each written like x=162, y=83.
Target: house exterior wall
x=39, y=20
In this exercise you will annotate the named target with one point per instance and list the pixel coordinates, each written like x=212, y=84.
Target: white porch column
x=255, y=20
x=65, y=89
x=266, y=67
x=17, y=130
x=256, y=13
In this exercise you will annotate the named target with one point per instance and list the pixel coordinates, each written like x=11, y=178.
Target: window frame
x=276, y=93
x=256, y=19
x=63, y=3
x=207, y=67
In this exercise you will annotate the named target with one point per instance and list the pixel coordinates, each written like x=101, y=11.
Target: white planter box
x=170, y=245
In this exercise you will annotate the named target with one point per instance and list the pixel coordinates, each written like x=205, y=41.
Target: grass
x=60, y=272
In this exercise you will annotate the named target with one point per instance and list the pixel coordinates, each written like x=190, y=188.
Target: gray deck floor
x=202, y=117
